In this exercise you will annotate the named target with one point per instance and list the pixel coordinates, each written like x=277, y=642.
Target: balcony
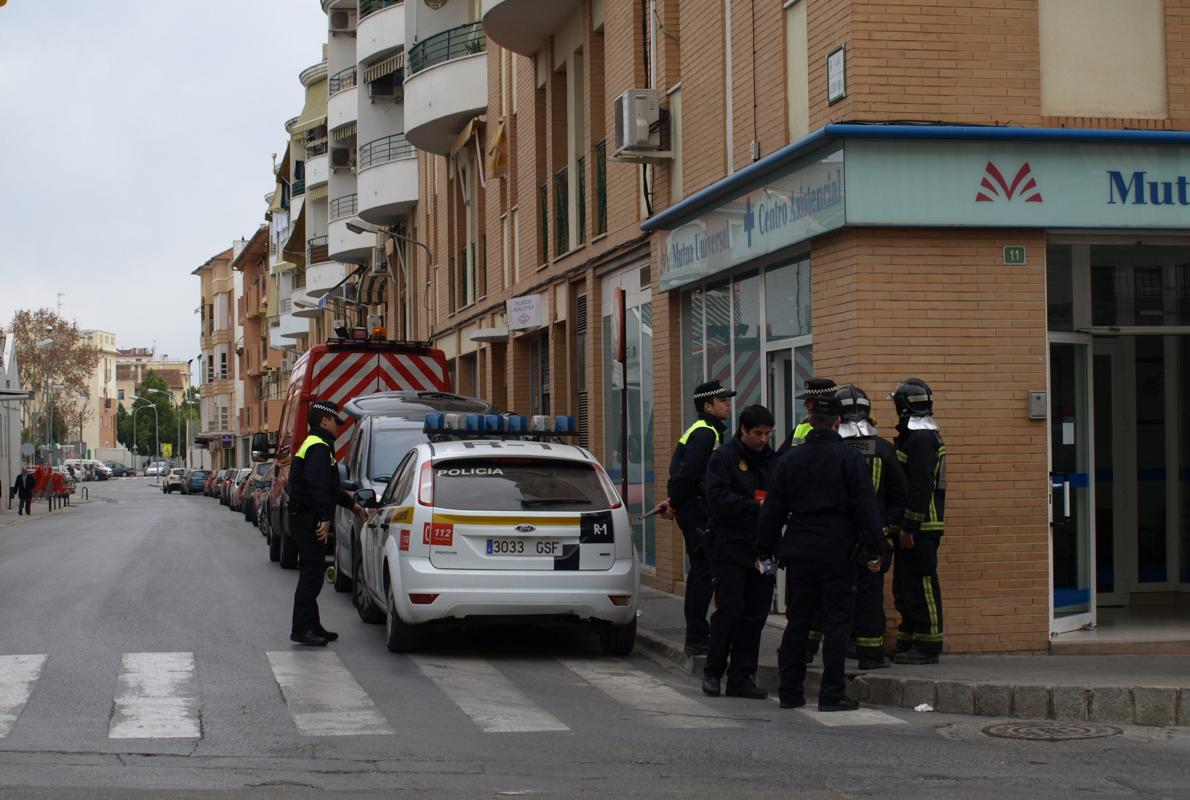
x=386, y=179
x=380, y=31
x=288, y=328
x=316, y=169
x=299, y=188
x=342, y=109
x=316, y=251
x=446, y=85
x=341, y=81
x=324, y=277
x=525, y=26
x=344, y=245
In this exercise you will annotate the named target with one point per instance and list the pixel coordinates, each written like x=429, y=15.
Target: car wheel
x=274, y=545
x=342, y=582
x=400, y=636
x=289, y=554
x=617, y=640
x=360, y=598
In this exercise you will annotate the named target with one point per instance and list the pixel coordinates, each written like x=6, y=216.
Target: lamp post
x=156, y=429
x=177, y=414
x=46, y=344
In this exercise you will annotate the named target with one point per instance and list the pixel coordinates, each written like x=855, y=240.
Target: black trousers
x=24, y=505
x=742, y=600
x=698, y=580
x=918, y=596
x=311, y=570
x=830, y=589
x=867, y=631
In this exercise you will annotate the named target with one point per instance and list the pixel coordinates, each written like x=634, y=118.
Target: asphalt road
x=144, y=653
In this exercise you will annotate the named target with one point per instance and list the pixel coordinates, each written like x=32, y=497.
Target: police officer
x=687, y=504
x=813, y=387
x=22, y=489
x=737, y=476
x=823, y=490
x=890, y=486
x=314, y=492
x=916, y=591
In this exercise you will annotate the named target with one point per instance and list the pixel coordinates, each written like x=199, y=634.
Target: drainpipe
x=729, y=89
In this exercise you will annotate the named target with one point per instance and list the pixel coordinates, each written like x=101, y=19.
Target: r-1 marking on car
x=404, y=540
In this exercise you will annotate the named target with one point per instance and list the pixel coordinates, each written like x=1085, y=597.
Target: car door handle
x=384, y=526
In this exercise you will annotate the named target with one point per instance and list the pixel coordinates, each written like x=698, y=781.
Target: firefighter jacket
x=313, y=485
x=736, y=479
x=824, y=489
x=890, y=484
x=921, y=450
x=688, y=467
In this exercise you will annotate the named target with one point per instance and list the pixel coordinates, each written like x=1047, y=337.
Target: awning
x=386, y=67
x=371, y=289
x=498, y=152
x=294, y=249
x=314, y=112
x=316, y=193
x=464, y=136
x=344, y=131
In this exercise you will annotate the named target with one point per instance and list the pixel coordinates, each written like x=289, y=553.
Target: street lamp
x=45, y=344
x=156, y=428
x=177, y=414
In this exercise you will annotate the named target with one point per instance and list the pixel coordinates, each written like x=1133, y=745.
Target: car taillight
x=620, y=599
x=422, y=599
x=425, y=485
x=609, y=488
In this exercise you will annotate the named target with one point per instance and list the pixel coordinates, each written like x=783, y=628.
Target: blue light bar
x=565, y=425
x=517, y=424
x=473, y=422
x=434, y=422
x=493, y=423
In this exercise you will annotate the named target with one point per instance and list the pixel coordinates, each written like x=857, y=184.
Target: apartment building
x=133, y=364
x=11, y=397
x=221, y=394
x=93, y=417
x=259, y=363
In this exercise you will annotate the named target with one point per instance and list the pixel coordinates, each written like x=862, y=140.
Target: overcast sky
x=136, y=141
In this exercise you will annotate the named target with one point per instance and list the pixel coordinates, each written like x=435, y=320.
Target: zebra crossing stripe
x=486, y=696
x=641, y=691
x=157, y=699
x=323, y=697
x=861, y=716
x=18, y=674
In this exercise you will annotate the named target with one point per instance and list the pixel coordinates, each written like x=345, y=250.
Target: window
x=222, y=363
x=518, y=484
x=539, y=375
x=119, y=394
x=210, y=367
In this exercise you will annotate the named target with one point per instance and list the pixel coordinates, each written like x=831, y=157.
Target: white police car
x=493, y=520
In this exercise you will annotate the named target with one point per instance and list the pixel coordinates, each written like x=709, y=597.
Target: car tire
x=289, y=554
x=274, y=545
x=360, y=598
x=343, y=584
x=617, y=640
x=400, y=636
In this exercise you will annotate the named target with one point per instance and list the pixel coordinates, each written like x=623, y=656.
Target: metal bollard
x=86, y=494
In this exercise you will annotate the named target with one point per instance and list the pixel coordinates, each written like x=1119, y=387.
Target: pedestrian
x=687, y=503
x=821, y=494
x=22, y=488
x=916, y=591
x=313, y=489
x=888, y=482
x=813, y=387
x=737, y=475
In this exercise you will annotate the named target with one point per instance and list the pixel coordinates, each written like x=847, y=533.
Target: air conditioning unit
x=638, y=127
x=385, y=86
x=379, y=261
x=340, y=22
x=341, y=158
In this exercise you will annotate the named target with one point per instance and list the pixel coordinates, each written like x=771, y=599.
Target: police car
x=494, y=520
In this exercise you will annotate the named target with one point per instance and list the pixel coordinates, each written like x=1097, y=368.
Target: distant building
x=11, y=397
x=97, y=402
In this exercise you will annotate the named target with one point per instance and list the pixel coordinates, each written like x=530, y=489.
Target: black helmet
x=855, y=403
x=913, y=397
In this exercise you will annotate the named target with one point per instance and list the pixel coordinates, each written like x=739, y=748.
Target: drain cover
x=1051, y=731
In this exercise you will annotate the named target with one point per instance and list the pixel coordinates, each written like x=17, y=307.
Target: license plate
x=524, y=547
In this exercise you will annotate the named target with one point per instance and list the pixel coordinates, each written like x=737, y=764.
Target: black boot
x=711, y=686
x=746, y=688
x=915, y=657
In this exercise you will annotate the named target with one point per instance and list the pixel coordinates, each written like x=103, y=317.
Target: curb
x=1153, y=706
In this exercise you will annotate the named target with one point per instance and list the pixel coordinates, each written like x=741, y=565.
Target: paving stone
x=879, y=690
x=956, y=698
x=919, y=691
x=1155, y=705
x=993, y=700
x=1111, y=704
x=1031, y=702
x=1070, y=702
x=1184, y=707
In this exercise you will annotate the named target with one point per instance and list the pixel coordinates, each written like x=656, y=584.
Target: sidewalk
x=1128, y=690
x=10, y=517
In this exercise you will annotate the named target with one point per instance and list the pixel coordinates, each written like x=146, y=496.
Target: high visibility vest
x=312, y=440
x=800, y=433
x=701, y=423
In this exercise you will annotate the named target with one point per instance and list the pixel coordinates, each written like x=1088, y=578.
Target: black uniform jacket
x=688, y=468
x=824, y=489
x=892, y=487
x=923, y=455
x=734, y=474
x=24, y=485
x=314, y=481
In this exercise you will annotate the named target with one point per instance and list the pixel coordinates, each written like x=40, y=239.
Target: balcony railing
x=384, y=150
x=601, y=187
x=299, y=188
x=580, y=179
x=465, y=40
x=343, y=207
x=561, y=212
x=341, y=81
x=367, y=7
x=317, y=250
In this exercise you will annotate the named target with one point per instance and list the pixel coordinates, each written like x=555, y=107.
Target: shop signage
x=228, y=441
x=523, y=312
x=806, y=201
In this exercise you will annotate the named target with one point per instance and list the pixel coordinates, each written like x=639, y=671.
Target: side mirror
x=260, y=447
x=366, y=498
x=345, y=481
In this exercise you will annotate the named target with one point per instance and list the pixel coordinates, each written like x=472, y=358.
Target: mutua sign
x=1139, y=189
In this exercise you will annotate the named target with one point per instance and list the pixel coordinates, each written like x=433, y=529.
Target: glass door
x=1072, y=500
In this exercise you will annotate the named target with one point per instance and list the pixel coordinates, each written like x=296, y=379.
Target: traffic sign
x=28, y=449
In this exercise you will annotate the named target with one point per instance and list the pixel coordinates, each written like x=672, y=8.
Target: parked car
x=253, y=487
x=212, y=481
x=238, y=486
x=119, y=470
x=156, y=468
x=173, y=480
x=227, y=481
x=194, y=480
x=498, y=528
x=387, y=425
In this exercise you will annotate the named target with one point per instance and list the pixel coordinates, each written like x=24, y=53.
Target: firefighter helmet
x=913, y=398
x=856, y=405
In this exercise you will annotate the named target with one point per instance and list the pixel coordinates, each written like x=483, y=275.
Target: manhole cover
x=1051, y=731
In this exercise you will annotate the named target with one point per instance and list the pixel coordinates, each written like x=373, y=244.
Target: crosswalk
x=159, y=696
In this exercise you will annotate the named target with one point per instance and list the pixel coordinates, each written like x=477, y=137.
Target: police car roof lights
x=510, y=426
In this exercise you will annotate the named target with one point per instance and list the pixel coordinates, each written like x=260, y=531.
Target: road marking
x=861, y=716
x=158, y=698
x=323, y=697
x=485, y=695
x=641, y=691
x=18, y=674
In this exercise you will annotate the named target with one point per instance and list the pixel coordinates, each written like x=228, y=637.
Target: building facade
x=219, y=391
x=93, y=417
x=11, y=397
x=259, y=362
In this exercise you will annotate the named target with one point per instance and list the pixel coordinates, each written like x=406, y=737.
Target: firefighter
x=687, y=503
x=313, y=494
x=888, y=482
x=821, y=494
x=916, y=591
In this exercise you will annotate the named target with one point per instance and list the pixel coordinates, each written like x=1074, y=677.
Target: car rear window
x=519, y=484
x=389, y=446
x=200, y=473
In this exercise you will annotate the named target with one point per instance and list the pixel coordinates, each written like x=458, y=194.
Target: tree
x=153, y=391
x=65, y=366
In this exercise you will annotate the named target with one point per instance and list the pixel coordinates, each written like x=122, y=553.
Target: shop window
x=718, y=333
x=787, y=300
x=693, y=349
x=1059, y=288
x=746, y=327
x=1139, y=285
